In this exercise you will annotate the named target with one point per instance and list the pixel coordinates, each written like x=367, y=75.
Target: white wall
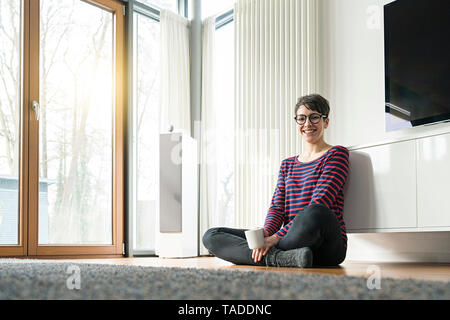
x=351, y=46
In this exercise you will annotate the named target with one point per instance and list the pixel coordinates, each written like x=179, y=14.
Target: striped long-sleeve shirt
x=304, y=183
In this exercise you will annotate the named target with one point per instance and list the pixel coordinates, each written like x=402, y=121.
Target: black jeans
x=315, y=227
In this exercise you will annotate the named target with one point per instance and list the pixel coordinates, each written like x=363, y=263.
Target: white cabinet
x=380, y=192
x=433, y=181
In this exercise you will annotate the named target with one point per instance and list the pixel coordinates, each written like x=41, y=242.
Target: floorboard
x=420, y=271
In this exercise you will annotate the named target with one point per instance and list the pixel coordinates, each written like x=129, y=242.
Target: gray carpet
x=44, y=280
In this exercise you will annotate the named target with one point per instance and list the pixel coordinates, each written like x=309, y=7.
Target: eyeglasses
x=313, y=118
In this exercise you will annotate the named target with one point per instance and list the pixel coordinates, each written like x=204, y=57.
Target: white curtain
x=208, y=152
x=175, y=81
x=175, y=77
x=275, y=52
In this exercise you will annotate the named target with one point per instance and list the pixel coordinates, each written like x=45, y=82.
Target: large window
x=224, y=110
x=146, y=80
x=76, y=123
x=10, y=115
x=61, y=127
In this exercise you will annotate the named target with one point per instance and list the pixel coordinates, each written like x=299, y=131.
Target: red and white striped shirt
x=301, y=184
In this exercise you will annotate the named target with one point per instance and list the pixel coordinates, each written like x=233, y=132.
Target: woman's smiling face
x=310, y=132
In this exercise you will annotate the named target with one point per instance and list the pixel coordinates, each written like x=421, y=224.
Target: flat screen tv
x=417, y=68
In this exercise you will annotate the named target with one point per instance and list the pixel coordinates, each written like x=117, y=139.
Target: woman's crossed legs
x=315, y=227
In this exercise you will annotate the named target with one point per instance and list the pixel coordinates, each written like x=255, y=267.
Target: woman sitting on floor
x=304, y=226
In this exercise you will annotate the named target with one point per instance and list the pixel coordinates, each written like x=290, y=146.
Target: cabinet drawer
x=381, y=187
x=433, y=181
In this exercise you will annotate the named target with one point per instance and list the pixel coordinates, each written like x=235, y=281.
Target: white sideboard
x=401, y=186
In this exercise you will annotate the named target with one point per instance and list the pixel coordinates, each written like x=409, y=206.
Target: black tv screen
x=417, y=69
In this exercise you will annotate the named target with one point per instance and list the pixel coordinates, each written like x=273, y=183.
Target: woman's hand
x=269, y=242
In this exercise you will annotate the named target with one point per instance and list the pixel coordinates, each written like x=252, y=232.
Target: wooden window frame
x=21, y=248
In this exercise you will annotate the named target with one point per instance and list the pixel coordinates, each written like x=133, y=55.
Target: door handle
x=37, y=109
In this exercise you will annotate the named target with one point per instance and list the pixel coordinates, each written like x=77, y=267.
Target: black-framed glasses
x=313, y=118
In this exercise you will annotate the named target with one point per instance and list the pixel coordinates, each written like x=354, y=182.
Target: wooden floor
x=420, y=271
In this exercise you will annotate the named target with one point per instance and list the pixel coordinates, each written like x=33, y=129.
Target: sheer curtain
x=175, y=78
x=208, y=152
x=275, y=52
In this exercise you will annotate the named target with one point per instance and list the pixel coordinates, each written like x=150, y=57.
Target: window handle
x=37, y=109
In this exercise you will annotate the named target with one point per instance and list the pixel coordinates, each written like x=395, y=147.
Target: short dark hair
x=314, y=102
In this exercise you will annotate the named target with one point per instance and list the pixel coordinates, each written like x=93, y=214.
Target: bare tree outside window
x=10, y=91
x=146, y=110
x=76, y=124
x=224, y=109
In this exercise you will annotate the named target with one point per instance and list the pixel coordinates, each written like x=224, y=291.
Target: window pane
x=146, y=123
x=223, y=105
x=76, y=123
x=10, y=92
x=162, y=4
x=213, y=7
